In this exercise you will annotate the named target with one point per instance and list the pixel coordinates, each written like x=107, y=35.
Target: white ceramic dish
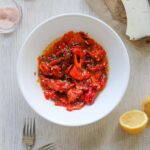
x=38, y=40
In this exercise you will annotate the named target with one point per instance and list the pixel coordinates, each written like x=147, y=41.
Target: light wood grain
x=102, y=135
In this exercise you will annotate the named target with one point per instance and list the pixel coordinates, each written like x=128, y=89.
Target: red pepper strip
x=97, y=54
x=103, y=81
x=56, y=61
x=89, y=41
x=95, y=77
x=77, y=64
x=76, y=106
x=89, y=96
x=83, y=85
x=56, y=85
x=56, y=71
x=76, y=39
x=79, y=74
x=77, y=51
x=59, y=52
x=40, y=59
x=44, y=69
x=97, y=67
x=68, y=36
x=73, y=94
x=64, y=100
x=91, y=53
x=50, y=94
x=68, y=69
x=59, y=103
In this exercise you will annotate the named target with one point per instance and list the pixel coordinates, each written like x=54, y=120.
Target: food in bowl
x=118, y=76
x=72, y=70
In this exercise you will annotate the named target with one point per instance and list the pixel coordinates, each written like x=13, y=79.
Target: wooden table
x=102, y=135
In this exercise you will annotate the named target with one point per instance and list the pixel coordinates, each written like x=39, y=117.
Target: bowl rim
x=69, y=15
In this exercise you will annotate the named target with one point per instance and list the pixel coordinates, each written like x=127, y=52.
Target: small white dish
x=10, y=16
x=37, y=41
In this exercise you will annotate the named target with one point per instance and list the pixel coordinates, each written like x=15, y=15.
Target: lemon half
x=146, y=106
x=133, y=121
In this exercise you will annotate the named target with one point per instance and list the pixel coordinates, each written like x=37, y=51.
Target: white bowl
x=38, y=40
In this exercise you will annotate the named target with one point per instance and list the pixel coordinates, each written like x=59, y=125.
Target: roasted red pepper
x=73, y=70
x=79, y=74
x=73, y=94
x=98, y=54
x=56, y=85
x=78, y=57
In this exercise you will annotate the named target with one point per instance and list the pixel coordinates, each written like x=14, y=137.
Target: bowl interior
x=38, y=41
